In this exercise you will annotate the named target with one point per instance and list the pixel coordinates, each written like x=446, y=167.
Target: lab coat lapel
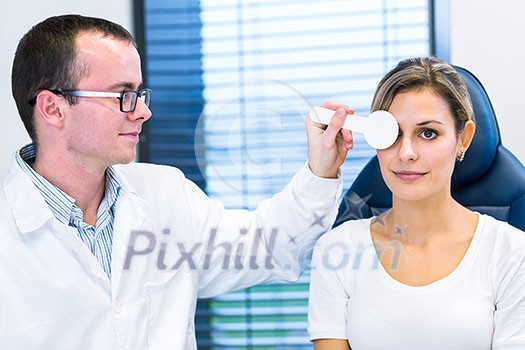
x=131, y=210
x=29, y=209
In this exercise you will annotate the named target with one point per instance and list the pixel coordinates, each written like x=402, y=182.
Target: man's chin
x=126, y=159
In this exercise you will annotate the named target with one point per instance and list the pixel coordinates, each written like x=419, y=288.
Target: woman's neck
x=421, y=222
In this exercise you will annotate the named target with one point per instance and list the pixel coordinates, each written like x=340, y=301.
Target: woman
x=428, y=273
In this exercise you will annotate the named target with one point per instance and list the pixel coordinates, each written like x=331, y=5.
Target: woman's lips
x=409, y=176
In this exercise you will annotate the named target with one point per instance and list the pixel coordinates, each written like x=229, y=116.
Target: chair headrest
x=482, y=151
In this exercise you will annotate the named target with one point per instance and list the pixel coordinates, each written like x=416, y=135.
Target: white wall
x=15, y=20
x=487, y=38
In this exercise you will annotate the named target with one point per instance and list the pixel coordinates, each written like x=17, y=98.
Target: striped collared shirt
x=98, y=239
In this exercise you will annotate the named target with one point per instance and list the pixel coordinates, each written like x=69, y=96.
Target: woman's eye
x=428, y=134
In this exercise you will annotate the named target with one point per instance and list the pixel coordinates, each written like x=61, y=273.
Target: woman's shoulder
x=349, y=231
x=502, y=228
x=501, y=236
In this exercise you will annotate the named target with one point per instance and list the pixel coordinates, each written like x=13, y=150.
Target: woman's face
x=420, y=163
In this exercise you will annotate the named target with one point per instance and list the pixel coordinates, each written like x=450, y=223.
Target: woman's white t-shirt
x=480, y=305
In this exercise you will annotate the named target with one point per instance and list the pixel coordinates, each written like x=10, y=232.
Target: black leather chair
x=490, y=180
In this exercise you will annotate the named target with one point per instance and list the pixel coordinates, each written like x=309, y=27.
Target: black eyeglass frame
x=143, y=94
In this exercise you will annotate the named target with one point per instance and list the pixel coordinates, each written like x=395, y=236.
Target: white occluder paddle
x=379, y=128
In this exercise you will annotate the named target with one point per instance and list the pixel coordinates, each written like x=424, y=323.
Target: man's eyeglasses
x=128, y=99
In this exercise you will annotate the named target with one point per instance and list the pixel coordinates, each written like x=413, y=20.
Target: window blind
x=233, y=81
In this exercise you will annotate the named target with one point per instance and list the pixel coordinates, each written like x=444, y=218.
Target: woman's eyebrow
x=429, y=122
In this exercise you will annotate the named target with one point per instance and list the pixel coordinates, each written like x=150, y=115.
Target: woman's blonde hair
x=426, y=73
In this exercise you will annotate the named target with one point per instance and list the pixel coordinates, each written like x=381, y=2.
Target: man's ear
x=50, y=108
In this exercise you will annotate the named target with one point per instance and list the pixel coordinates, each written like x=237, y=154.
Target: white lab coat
x=55, y=295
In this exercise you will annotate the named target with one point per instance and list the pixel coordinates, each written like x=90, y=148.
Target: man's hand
x=328, y=145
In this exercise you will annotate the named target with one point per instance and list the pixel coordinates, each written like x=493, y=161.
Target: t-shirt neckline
x=463, y=265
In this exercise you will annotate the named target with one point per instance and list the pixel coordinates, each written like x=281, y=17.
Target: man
x=100, y=255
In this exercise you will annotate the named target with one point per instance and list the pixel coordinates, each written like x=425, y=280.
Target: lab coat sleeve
x=274, y=242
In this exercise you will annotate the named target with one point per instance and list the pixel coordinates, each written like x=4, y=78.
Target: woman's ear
x=465, y=138
x=49, y=108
